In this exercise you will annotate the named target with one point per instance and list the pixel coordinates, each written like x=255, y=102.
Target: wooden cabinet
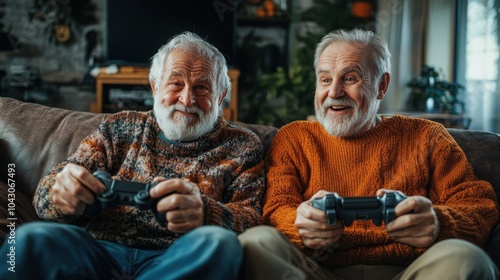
x=134, y=81
x=126, y=78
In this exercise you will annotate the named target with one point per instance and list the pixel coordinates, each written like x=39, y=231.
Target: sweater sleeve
x=284, y=189
x=463, y=203
x=244, y=208
x=94, y=153
x=240, y=206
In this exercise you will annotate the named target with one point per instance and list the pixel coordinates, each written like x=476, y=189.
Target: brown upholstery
x=483, y=151
x=35, y=138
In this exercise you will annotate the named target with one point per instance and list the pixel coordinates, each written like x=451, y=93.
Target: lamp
x=362, y=9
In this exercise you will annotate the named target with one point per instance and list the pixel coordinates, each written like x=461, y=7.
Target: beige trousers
x=269, y=255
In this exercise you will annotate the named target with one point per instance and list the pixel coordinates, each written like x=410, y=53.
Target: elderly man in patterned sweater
x=210, y=184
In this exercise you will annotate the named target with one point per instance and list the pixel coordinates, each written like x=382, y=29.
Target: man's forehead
x=179, y=67
x=342, y=55
x=344, y=49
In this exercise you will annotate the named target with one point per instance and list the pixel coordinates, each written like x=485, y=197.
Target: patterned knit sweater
x=416, y=156
x=226, y=163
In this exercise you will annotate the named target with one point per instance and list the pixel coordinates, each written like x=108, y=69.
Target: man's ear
x=383, y=85
x=222, y=96
x=153, y=89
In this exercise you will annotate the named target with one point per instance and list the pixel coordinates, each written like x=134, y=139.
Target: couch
x=33, y=138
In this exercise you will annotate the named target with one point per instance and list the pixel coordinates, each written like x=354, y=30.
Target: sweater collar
x=382, y=128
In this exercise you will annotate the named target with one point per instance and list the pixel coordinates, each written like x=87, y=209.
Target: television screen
x=136, y=29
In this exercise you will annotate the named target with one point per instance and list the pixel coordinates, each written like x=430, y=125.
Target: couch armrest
x=23, y=210
x=493, y=246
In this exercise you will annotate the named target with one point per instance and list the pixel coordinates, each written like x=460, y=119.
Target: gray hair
x=192, y=43
x=379, y=54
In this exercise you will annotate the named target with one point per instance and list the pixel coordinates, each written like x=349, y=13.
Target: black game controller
x=348, y=209
x=123, y=193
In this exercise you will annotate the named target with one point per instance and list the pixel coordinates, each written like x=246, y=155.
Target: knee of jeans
x=38, y=229
x=41, y=232
x=217, y=235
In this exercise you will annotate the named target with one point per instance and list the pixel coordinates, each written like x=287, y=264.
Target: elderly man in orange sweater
x=434, y=233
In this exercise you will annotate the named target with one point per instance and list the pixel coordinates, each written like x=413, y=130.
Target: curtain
x=403, y=23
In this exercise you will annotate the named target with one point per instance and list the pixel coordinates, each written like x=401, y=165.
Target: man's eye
x=350, y=79
x=201, y=90
x=325, y=80
x=175, y=85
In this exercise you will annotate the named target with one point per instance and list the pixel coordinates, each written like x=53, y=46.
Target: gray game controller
x=348, y=209
x=123, y=193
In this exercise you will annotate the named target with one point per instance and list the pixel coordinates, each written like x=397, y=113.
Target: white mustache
x=329, y=102
x=184, y=109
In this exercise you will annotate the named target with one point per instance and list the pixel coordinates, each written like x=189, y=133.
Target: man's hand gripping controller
x=348, y=209
x=123, y=193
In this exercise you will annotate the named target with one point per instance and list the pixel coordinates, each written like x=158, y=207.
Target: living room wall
x=62, y=62
x=441, y=36
x=52, y=36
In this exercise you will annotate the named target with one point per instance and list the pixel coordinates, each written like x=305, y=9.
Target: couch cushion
x=36, y=137
x=483, y=152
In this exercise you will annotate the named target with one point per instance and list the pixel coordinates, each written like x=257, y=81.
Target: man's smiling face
x=186, y=104
x=346, y=94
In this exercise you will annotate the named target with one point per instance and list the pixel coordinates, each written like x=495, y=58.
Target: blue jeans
x=60, y=251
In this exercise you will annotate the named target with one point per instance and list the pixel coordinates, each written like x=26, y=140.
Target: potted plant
x=433, y=95
x=283, y=96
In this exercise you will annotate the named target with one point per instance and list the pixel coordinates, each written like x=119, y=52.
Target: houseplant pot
x=433, y=95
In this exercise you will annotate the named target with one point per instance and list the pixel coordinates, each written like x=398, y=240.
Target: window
x=477, y=61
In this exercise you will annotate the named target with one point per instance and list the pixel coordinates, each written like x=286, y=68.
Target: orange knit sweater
x=415, y=156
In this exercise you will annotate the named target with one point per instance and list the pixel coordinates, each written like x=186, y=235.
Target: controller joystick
x=143, y=201
x=348, y=209
x=123, y=193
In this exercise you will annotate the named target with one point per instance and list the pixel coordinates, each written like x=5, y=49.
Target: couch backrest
x=35, y=138
x=483, y=152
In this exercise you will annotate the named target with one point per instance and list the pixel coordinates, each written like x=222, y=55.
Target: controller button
x=108, y=194
x=143, y=200
x=331, y=217
x=142, y=195
x=391, y=201
x=330, y=202
x=390, y=215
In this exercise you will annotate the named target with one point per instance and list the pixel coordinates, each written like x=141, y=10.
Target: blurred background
x=445, y=52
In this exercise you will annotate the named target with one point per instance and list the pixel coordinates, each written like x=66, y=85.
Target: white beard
x=179, y=128
x=346, y=125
